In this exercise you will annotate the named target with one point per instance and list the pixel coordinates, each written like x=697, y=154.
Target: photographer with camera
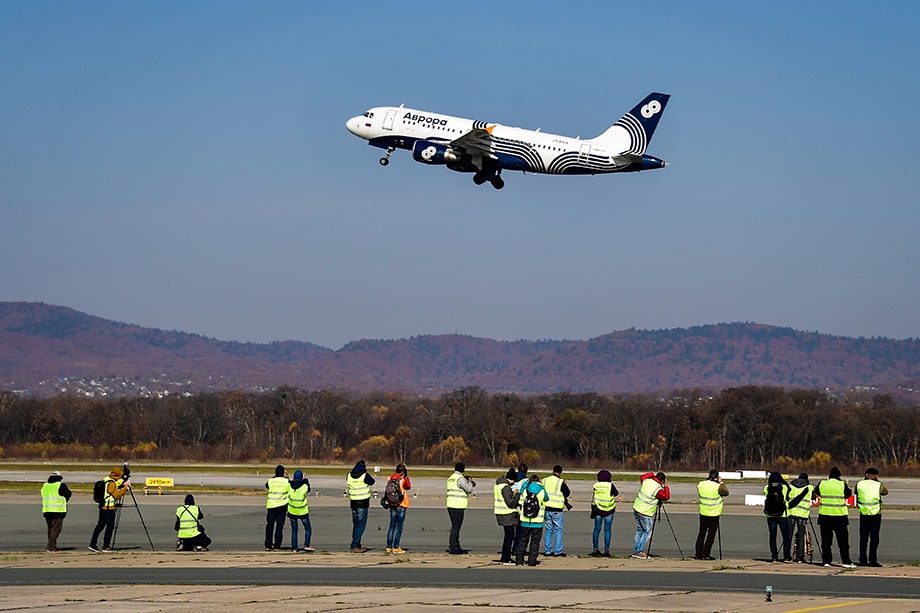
x=396, y=500
x=191, y=536
x=459, y=488
x=869, y=492
x=710, y=492
x=276, y=505
x=116, y=485
x=652, y=491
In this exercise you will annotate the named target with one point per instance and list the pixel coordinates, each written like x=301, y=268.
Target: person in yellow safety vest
x=604, y=498
x=711, y=493
x=558, y=491
x=116, y=486
x=298, y=511
x=459, y=488
x=776, y=510
x=869, y=494
x=276, y=504
x=653, y=490
x=190, y=532
x=55, y=495
x=832, y=517
x=531, y=525
x=358, y=487
x=505, y=505
x=800, y=495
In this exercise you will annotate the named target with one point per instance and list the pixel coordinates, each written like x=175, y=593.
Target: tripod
x=658, y=512
x=118, y=520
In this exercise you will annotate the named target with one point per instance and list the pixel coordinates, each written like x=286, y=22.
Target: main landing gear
x=386, y=160
x=495, y=178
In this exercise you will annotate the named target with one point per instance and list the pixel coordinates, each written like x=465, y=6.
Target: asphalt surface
x=236, y=523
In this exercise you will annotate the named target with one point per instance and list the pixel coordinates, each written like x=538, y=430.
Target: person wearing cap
x=459, y=488
x=276, y=504
x=832, y=517
x=800, y=495
x=358, y=487
x=711, y=493
x=298, y=511
x=604, y=498
x=653, y=490
x=55, y=495
x=116, y=486
x=190, y=532
x=869, y=492
x=505, y=506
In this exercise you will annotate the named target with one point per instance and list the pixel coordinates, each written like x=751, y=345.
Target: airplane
x=486, y=149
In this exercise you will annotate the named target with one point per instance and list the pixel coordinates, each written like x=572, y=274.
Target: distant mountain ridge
x=42, y=346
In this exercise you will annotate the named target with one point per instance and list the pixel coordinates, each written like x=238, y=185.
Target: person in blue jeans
x=398, y=513
x=603, y=506
x=298, y=511
x=558, y=491
x=358, y=487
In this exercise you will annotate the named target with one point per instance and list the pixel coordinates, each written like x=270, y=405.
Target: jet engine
x=428, y=152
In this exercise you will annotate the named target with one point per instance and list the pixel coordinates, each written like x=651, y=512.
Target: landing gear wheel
x=384, y=161
x=479, y=179
x=497, y=182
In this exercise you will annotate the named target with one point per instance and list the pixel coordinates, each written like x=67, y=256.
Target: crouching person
x=191, y=532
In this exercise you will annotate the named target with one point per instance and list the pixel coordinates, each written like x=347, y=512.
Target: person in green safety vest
x=190, y=532
x=833, y=493
x=604, y=498
x=55, y=495
x=532, y=518
x=800, y=496
x=276, y=504
x=358, y=487
x=653, y=490
x=459, y=488
x=869, y=494
x=298, y=511
x=117, y=484
x=710, y=493
x=505, y=506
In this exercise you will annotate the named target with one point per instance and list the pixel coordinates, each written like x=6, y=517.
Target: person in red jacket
x=653, y=490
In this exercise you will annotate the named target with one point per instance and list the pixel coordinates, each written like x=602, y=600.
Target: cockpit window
x=369, y=115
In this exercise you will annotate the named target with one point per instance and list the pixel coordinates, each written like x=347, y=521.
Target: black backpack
x=775, y=503
x=99, y=492
x=531, y=506
x=393, y=494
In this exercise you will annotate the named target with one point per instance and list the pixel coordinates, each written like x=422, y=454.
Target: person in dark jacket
x=506, y=512
x=604, y=500
x=358, y=487
x=276, y=508
x=833, y=493
x=191, y=536
x=55, y=496
x=778, y=519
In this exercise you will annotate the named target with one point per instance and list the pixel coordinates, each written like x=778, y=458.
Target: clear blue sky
x=186, y=166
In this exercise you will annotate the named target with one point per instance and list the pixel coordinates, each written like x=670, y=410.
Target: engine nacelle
x=428, y=152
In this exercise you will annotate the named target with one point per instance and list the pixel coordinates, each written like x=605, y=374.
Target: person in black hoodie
x=833, y=493
x=358, y=487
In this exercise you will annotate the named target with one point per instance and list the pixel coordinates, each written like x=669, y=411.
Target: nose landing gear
x=386, y=160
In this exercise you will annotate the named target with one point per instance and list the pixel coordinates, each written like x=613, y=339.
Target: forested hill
x=48, y=349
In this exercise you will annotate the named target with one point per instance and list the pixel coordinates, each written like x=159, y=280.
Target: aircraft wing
x=477, y=141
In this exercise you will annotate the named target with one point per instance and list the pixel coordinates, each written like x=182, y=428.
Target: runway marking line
x=832, y=606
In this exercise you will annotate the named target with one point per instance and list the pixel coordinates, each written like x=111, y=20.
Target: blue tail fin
x=633, y=131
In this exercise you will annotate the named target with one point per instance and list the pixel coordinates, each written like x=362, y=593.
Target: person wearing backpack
x=775, y=508
x=506, y=502
x=298, y=511
x=832, y=494
x=394, y=495
x=114, y=486
x=531, y=510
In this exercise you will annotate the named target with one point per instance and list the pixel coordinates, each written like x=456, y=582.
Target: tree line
x=750, y=427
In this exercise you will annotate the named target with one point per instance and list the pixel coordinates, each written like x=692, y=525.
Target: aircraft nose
x=353, y=125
